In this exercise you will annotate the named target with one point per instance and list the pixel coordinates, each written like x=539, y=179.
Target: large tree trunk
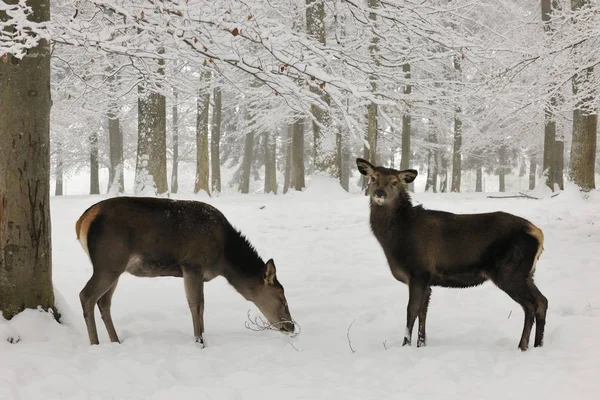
x=151, y=165
x=116, y=180
x=25, y=246
x=297, y=180
x=175, y=169
x=202, y=160
x=270, y=163
x=457, y=148
x=215, y=140
x=59, y=172
x=287, y=174
x=94, y=164
x=247, y=163
x=323, y=158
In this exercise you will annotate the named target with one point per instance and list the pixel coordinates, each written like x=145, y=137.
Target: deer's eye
x=394, y=183
x=372, y=179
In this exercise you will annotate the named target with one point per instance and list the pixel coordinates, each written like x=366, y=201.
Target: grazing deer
x=427, y=248
x=150, y=237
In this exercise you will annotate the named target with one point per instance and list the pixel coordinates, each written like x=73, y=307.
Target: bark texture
x=25, y=246
x=151, y=165
x=202, y=160
x=215, y=142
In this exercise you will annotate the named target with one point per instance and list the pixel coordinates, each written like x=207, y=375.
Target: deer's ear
x=270, y=272
x=408, y=175
x=365, y=167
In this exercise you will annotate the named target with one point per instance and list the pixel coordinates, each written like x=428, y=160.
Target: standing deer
x=150, y=237
x=427, y=248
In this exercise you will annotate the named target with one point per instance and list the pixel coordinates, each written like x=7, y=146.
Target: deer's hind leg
x=541, y=306
x=104, y=305
x=520, y=292
x=99, y=284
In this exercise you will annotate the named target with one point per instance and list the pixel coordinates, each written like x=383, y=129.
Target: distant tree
x=202, y=157
x=215, y=141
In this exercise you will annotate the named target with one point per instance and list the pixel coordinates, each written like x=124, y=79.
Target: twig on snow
x=294, y=347
x=348, y=336
x=509, y=314
x=258, y=324
x=521, y=195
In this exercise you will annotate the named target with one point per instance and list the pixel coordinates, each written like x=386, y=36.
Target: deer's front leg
x=416, y=293
x=422, y=339
x=193, y=282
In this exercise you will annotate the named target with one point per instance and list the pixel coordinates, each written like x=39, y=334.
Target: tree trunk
x=215, y=140
x=406, y=127
x=59, y=172
x=502, y=169
x=532, y=172
x=457, y=150
x=25, y=228
x=247, y=163
x=559, y=164
x=202, y=160
x=94, y=164
x=175, y=169
x=585, y=129
x=151, y=165
x=479, y=177
x=270, y=163
x=343, y=161
x=444, y=180
x=287, y=174
x=323, y=158
x=298, y=155
x=548, y=166
x=432, y=163
x=370, y=151
x=116, y=180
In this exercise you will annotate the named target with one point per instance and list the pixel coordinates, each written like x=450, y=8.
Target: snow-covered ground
x=335, y=275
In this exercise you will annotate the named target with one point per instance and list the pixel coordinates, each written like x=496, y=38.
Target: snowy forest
x=377, y=158
x=280, y=90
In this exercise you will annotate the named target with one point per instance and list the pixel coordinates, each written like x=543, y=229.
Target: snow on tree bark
x=116, y=180
x=25, y=228
x=151, y=165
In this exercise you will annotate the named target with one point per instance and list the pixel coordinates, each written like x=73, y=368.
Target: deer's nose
x=379, y=193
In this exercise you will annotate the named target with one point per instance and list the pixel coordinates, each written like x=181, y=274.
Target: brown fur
x=83, y=225
x=150, y=237
x=426, y=248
